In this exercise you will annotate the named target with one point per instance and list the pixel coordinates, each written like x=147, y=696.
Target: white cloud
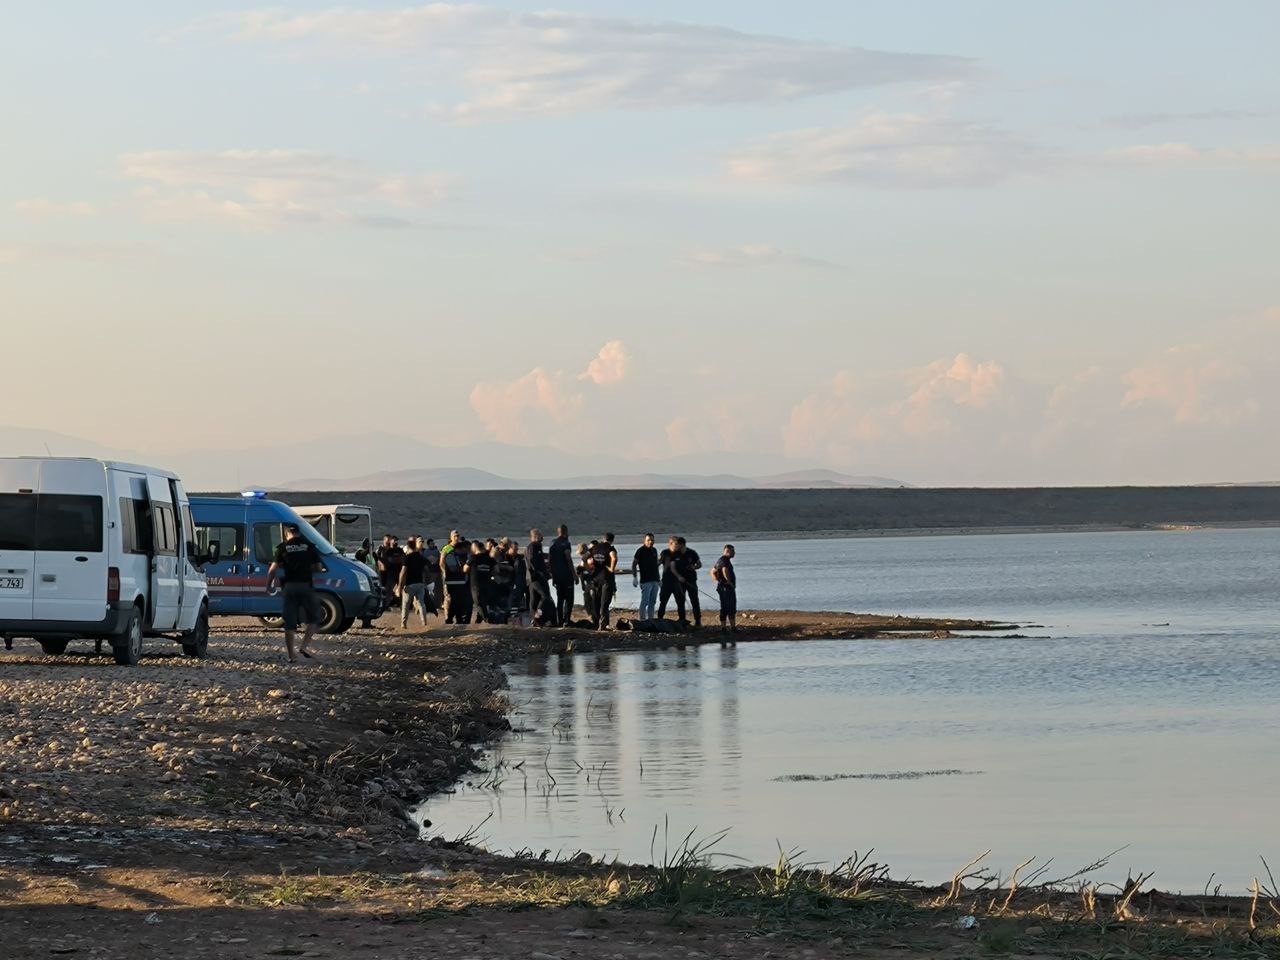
x=544, y=405
x=271, y=188
x=40, y=207
x=1197, y=385
x=753, y=255
x=512, y=64
x=1178, y=154
x=899, y=150
x=609, y=366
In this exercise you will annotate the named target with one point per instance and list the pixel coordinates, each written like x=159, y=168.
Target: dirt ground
x=239, y=806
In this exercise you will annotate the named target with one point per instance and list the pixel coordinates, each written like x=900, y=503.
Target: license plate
x=11, y=583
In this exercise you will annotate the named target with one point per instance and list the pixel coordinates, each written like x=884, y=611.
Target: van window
x=266, y=537
x=166, y=536
x=17, y=521
x=322, y=526
x=135, y=526
x=229, y=537
x=68, y=523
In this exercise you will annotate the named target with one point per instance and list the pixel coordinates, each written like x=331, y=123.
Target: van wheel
x=330, y=614
x=54, y=648
x=274, y=623
x=196, y=643
x=127, y=649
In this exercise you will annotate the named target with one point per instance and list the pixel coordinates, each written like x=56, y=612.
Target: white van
x=98, y=550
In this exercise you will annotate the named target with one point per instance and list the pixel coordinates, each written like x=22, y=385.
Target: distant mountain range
x=469, y=478
x=394, y=462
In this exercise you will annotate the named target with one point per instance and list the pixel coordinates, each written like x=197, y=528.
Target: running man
x=297, y=562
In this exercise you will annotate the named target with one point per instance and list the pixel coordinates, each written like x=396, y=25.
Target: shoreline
x=239, y=798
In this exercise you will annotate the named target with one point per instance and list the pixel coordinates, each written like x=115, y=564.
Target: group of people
x=498, y=581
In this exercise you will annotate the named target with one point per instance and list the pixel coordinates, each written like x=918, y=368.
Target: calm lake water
x=1144, y=712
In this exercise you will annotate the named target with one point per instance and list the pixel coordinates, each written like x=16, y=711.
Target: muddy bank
x=240, y=806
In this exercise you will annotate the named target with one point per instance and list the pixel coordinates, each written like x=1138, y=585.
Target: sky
x=946, y=242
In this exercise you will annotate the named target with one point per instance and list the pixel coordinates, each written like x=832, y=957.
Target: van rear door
x=17, y=538
x=70, y=582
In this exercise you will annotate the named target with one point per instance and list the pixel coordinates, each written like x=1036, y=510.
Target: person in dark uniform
x=541, y=607
x=727, y=587
x=587, y=577
x=646, y=574
x=479, y=569
x=504, y=575
x=687, y=565
x=457, y=595
x=605, y=557
x=519, y=580
x=671, y=583
x=366, y=556
x=563, y=575
x=296, y=563
x=390, y=560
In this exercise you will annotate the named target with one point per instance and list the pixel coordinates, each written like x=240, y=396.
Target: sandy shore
x=239, y=806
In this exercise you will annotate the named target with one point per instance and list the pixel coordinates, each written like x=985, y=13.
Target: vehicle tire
x=347, y=624
x=275, y=623
x=196, y=643
x=127, y=648
x=331, y=614
x=55, y=647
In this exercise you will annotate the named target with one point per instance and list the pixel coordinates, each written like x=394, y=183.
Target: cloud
x=1195, y=384
x=1140, y=121
x=609, y=366
x=512, y=64
x=40, y=207
x=754, y=255
x=264, y=189
x=546, y=405
x=1177, y=154
x=897, y=150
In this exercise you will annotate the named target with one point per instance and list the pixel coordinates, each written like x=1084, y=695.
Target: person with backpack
x=726, y=580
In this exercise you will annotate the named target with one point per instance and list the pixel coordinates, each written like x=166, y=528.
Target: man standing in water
x=646, y=575
x=727, y=587
x=296, y=563
x=563, y=576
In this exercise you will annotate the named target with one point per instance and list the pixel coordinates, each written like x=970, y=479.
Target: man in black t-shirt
x=296, y=563
x=541, y=607
x=671, y=583
x=605, y=557
x=413, y=583
x=687, y=563
x=563, y=575
x=390, y=559
x=479, y=569
x=726, y=579
x=647, y=575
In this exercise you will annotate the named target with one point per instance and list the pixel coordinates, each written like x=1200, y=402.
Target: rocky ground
x=241, y=806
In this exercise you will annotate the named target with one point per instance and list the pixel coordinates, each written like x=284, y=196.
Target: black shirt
x=686, y=565
x=603, y=554
x=665, y=561
x=646, y=562
x=727, y=579
x=560, y=557
x=481, y=568
x=297, y=559
x=415, y=568
x=536, y=562
x=392, y=558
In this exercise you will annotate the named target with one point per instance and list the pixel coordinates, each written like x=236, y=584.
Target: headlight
x=366, y=582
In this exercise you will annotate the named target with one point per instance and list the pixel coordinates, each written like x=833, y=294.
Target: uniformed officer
x=296, y=563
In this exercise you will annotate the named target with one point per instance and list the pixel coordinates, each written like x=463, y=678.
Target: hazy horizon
x=980, y=243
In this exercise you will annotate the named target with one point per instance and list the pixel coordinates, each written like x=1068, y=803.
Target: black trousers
x=480, y=601
x=590, y=601
x=728, y=602
x=695, y=607
x=671, y=588
x=564, y=602
x=541, y=607
x=605, y=590
x=458, y=608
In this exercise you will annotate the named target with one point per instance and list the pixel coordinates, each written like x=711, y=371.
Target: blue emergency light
x=254, y=494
